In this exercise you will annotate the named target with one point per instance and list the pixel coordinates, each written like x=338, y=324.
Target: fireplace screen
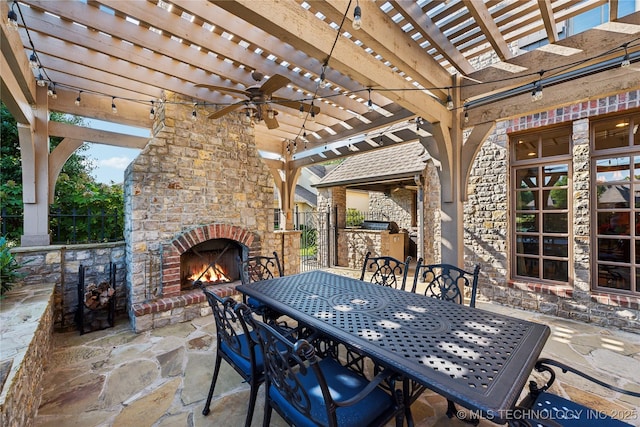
x=211, y=262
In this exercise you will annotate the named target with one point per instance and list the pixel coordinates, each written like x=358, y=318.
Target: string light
x=536, y=94
x=152, y=112
x=313, y=113
x=301, y=112
x=466, y=115
x=41, y=81
x=449, y=102
x=625, y=60
x=114, y=109
x=78, y=99
x=12, y=18
x=370, y=103
x=33, y=61
x=194, y=114
x=51, y=91
x=323, y=82
x=357, y=17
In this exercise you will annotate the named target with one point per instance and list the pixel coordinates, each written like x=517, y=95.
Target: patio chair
x=545, y=409
x=308, y=391
x=236, y=347
x=255, y=269
x=385, y=271
x=446, y=282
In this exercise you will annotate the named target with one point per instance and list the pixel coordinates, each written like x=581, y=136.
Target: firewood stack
x=98, y=296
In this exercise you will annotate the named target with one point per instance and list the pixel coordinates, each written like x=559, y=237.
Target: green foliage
x=354, y=217
x=308, y=237
x=9, y=273
x=76, y=191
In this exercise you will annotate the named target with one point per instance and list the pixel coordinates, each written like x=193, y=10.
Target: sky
x=111, y=161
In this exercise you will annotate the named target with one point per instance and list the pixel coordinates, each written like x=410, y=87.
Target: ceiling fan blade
x=274, y=83
x=295, y=104
x=222, y=89
x=221, y=112
x=264, y=113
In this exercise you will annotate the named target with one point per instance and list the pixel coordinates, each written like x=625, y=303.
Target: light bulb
x=78, y=100
x=12, y=20
x=194, y=116
x=357, y=18
x=536, y=95
x=114, y=110
x=301, y=112
x=625, y=61
x=33, y=61
x=449, y=103
x=270, y=114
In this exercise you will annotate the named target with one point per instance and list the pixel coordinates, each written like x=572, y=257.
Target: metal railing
x=71, y=227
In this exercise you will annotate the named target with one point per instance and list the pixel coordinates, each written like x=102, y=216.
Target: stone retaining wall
x=26, y=315
x=59, y=265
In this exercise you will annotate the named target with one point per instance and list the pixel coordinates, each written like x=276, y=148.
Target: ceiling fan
x=260, y=99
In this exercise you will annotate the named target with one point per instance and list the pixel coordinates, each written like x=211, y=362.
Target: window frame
x=540, y=162
x=632, y=151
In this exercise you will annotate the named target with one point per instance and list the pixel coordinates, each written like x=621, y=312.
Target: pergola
x=415, y=70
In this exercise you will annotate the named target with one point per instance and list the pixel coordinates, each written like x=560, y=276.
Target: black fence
x=71, y=227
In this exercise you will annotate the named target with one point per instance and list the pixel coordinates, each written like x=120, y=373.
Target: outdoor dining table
x=473, y=357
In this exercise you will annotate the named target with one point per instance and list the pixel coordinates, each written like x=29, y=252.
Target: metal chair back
x=236, y=345
x=385, y=271
x=446, y=282
x=257, y=268
x=306, y=390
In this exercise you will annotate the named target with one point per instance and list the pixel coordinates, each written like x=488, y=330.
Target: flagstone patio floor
x=160, y=378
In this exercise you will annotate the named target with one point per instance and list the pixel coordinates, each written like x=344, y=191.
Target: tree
x=76, y=191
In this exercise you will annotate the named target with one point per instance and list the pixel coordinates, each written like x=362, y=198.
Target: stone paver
x=160, y=378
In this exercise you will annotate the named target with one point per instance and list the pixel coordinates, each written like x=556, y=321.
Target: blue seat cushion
x=241, y=358
x=343, y=384
x=255, y=303
x=568, y=413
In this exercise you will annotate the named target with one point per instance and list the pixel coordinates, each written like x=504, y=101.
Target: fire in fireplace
x=211, y=262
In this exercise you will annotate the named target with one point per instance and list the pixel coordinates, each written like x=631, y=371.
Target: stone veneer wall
x=396, y=207
x=59, y=265
x=26, y=315
x=192, y=175
x=487, y=223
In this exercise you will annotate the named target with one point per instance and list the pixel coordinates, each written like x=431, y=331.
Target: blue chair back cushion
x=343, y=384
x=570, y=414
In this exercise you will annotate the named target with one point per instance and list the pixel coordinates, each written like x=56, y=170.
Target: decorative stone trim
x=562, y=291
x=616, y=300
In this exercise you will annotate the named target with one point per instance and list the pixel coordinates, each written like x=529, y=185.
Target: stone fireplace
x=198, y=193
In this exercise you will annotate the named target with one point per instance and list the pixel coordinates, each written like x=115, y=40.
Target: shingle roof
x=302, y=195
x=399, y=161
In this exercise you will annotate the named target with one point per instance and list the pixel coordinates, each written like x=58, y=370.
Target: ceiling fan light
x=270, y=114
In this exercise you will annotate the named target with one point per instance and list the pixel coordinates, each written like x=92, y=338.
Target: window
x=541, y=204
x=616, y=172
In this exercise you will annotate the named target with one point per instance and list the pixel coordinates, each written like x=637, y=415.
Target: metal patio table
x=476, y=358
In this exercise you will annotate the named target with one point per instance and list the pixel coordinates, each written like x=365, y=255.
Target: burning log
x=98, y=296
